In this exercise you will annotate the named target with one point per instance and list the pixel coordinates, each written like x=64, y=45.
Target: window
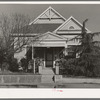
x=71, y=27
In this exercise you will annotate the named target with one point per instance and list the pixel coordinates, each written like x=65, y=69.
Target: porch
x=47, y=54
x=46, y=48
x=43, y=50
x=44, y=58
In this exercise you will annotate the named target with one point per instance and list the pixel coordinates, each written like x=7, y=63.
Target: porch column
x=25, y=47
x=44, y=58
x=65, y=51
x=33, y=59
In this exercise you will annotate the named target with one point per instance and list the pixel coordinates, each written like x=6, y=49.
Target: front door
x=49, y=57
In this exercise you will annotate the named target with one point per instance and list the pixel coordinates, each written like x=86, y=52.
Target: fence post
x=57, y=69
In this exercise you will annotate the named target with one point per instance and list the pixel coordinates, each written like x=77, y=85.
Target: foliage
x=38, y=62
x=13, y=65
x=24, y=64
x=89, y=56
x=5, y=66
x=8, y=42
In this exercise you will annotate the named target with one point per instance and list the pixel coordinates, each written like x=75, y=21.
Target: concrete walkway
x=47, y=75
x=47, y=71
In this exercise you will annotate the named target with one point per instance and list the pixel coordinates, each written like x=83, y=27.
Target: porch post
x=33, y=59
x=32, y=52
x=44, y=58
x=25, y=50
x=65, y=51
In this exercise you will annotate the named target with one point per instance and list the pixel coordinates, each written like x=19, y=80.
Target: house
x=54, y=34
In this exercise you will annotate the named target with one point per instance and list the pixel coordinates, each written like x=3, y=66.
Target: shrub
x=24, y=63
x=5, y=66
x=70, y=67
x=13, y=65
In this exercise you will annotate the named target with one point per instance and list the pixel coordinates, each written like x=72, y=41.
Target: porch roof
x=50, y=36
x=49, y=39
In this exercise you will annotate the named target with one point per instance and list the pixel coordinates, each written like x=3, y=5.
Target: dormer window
x=71, y=27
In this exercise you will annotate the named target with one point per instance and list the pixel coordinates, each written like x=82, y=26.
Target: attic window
x=71, y=27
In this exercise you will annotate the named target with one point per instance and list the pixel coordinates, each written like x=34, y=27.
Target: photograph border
x=50, y=93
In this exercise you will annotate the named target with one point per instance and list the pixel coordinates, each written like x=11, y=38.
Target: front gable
x=49, y=16
x=49, y=40
x=70, y=26
x=50, y=36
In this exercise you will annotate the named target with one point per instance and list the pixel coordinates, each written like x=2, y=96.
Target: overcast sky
x=79, y=11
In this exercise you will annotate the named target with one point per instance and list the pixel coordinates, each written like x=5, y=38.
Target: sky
x=79, y=11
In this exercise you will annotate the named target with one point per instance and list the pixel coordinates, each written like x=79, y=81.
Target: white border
x=49, y=2
x=50, y=93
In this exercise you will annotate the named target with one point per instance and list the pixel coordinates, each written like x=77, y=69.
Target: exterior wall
x=20, y=54
x=22, y=51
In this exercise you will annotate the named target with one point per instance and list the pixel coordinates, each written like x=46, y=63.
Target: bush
x=70, y=67
x=24, y=64
x=38, y=62
x=5, y=66
x=75, y=67
x=13, y=65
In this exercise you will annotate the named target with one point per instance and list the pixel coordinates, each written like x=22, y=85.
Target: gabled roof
x=49, y=14
x=76, y=23
x=38, y=28
x=50, y=36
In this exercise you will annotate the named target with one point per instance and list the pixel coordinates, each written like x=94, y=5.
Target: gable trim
x=67, y=21
x=63, y=38
x=44, y=13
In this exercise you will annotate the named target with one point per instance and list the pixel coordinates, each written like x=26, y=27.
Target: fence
x=20, y=79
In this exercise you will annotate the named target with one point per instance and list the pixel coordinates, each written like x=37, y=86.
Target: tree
x=13, y=37
x=89, y=54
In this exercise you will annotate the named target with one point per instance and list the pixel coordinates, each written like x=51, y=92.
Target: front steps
x=47, y=71
x=47, y=75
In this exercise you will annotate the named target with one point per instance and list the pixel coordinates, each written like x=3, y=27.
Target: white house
x=53, y=34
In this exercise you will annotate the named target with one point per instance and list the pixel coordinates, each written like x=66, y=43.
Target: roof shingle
x=38, y=28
